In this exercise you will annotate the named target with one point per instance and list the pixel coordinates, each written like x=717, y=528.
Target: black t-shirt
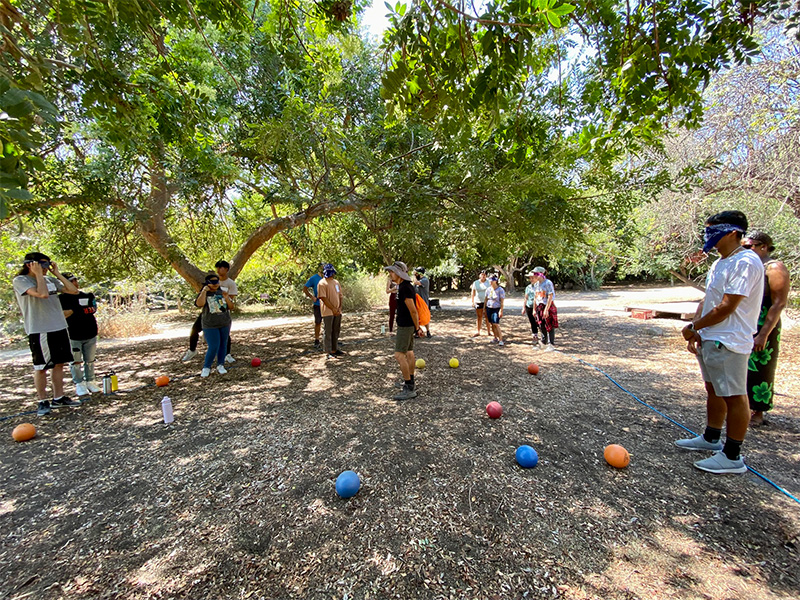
x=81, y=323
x=405, y=290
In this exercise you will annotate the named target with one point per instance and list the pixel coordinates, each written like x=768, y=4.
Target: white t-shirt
x=480, y=288
x=229, y=285
x=740, y=274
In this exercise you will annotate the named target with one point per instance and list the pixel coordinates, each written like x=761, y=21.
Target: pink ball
x=256, y=362
x=494, y=410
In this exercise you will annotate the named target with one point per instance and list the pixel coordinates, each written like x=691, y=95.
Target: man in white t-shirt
x=478, y=299
x=228, y=286
x=721, y=336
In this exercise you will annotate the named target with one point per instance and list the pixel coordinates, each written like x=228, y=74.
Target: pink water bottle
x=166, y=408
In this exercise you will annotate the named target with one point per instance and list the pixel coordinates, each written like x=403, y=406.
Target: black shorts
x=479, y=305
x=50, y=349
x=317, y=315
x=494, y=315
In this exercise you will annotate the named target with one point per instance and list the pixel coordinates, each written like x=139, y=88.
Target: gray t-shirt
x=423, y=289
x=41, y=315
x=215, y=312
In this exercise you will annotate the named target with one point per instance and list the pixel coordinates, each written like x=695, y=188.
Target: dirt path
x=236, y=499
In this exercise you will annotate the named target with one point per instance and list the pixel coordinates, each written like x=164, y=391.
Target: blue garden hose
x=655, y=410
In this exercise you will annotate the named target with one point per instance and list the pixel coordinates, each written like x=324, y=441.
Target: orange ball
x=24, y=432
x=617, y=456
x=162, y=380
x=533, y=369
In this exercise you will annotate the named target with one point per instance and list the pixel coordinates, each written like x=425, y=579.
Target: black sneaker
x=43, y=408
x=405, y=394
x=332, y=355
x=64, y=401
x=338, y=353
x=316, y=343
x=428, y=334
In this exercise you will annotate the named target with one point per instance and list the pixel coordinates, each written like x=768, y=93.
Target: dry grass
x=124, y=322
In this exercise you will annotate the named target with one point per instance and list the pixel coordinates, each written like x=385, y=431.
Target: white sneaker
x=549, y=348
x=501, y=343
x=205, y=372
x=81, y=389
x=190, y=354
x=221, y=370
x=93, y=387
x=230, y=359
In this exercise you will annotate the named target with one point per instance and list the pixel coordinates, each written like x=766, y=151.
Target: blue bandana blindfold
x=714, y=233
x=328, y=271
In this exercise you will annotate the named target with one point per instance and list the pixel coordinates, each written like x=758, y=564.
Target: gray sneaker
x=43, y=408
x=699, y=443
x=719, y=463
x=405, y=394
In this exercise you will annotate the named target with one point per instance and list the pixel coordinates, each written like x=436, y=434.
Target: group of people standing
x=488, y=300
x=735, y=333
x=735, y=336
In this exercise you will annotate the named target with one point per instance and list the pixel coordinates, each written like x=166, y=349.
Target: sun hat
x=400, y=269
x=539, y=270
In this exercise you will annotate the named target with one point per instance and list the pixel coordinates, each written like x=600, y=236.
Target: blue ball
x=527, y=457
x=348, y=484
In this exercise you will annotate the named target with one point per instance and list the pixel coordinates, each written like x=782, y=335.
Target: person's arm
x=40, y=291
x=472, y=296
x=524, y=301
x=307, y=291
x=548, y=304
x=64, y=306
x=69, y=287
x=227, y=297
x=779, y=283
x=200, y=301
x=502, y=304
x=412, y=308
x=719, y=313
x=389, y=283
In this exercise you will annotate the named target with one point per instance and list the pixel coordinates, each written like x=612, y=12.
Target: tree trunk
x=268, y=230
x=153, y=227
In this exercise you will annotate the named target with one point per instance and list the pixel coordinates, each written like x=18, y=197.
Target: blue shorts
x=493, y=314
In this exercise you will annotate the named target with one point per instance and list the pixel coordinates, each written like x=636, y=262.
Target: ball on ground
x=256, y=362
x=533, y=369
x=527, y=458
x=162, y=380
x=420, y=363
x=617, y=456
x=494, y=410
x=23, y=432
x=348, y=484
x=454, y=363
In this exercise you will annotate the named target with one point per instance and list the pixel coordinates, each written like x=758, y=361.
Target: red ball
x=494, y=410
x=256, y=362
x=533, y=369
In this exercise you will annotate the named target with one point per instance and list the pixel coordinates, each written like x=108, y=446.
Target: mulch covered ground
x=236, y=499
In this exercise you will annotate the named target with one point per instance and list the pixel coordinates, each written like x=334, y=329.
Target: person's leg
x=57, y=377
x=222, y=350
x=76, y=368
x=498, y=333
x=317, y=324
x=532, y=320
x=716, y=408
x=326, y=338
x=194, y=334
x=402, y=360
x=336, y=327
x=89, y=351
x=40, y=383
x=552, y=335
x=479, y=315
x=411, y=361
x=736, y=424
x=213, y=343
x=228, y=344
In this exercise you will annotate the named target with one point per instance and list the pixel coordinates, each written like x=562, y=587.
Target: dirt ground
x=237, y=500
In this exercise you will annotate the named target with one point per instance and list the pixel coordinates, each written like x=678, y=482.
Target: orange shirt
x=331, y=290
